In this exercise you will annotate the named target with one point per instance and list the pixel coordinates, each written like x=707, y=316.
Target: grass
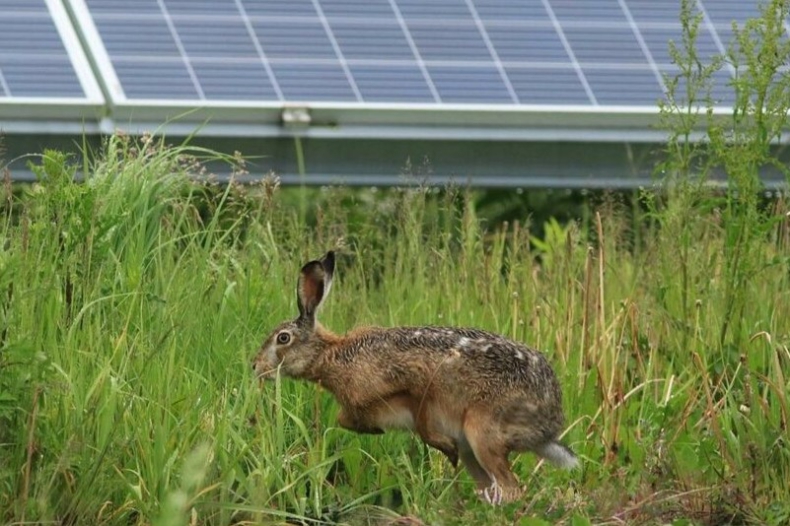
x=132, y=304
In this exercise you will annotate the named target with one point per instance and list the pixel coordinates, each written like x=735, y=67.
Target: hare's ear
x=315, y=280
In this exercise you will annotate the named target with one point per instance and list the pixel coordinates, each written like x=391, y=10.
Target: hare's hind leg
x=490, y=449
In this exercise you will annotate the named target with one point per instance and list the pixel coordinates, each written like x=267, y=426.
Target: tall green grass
x=131, y=305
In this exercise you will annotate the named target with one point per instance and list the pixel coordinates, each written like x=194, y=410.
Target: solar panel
x=724, y=11
x=501, y=52
x=35, y=62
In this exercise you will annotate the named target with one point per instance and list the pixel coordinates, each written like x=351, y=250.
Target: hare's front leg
x=353, y=421
x=427, y=429
x=444, y=444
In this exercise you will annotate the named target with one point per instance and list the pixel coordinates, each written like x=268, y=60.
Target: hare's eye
x=283, y=338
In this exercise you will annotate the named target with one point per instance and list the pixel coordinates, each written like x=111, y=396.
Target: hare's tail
x=558, y=454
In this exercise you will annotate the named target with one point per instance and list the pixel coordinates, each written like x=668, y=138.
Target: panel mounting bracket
x=296, y=117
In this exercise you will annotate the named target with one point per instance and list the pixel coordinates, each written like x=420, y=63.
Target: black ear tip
x=329, y=261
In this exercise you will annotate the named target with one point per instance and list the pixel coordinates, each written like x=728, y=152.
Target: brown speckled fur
x=469, y=393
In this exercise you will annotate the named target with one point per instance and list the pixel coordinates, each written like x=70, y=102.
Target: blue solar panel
x=657, y=39
x=653, y=12
x=436, y=51
x=298, y=39
x=222, y=37
x=200, y=7
x=624, y=87
x=388, y=83
x=44, y=77
x=364, y=9
x=156, y=79
x=434, y=10
x=298, y=82
x=476, y=84
x=608, y=11
x=605, y=45
x=150, y=7
x=724, y=12
x=138, y=37
x=280, y=8
x=219, y=80
x=512, y=10
x=547, y=85
x=520, y=43
x=380, y=41
x=449, y=42
x=33, y=58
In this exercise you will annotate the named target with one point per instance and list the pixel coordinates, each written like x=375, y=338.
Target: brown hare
x=469, y=393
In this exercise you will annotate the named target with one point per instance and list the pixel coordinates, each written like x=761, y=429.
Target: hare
x=473, y=395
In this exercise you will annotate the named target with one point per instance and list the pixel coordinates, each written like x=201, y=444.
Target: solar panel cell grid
x=617, y=86
x=98, y=7
x=450, y=42
x=22, y=6
x=470, y=84
x=442, y=51
x=652, y=11
x=297, y=39
x=588, y=11
x=388, y=83
x=29, y=34
x=364, y=9
x=39, y=77
x=434, y=10
x=380, y=41
x=657, y=40
x=520, y=44
x=280, y=8
x=511, y=11
x=33, y=59
x=156, y=79
x=221, y=81
x=298, y=82
x=559, y=85
x=204, y=37
x=205, y=8
x=140, y=37
x=724, y=12
x=605, y=45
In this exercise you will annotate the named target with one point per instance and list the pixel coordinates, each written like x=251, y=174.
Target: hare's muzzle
x=259, y=370
x=262, y=369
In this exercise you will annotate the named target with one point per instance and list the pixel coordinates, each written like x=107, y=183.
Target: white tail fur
x=559, y=454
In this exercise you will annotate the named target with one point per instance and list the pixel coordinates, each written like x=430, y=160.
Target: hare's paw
x=452, y=456
x=447, y=447
x=496, y=495
x=492, y=494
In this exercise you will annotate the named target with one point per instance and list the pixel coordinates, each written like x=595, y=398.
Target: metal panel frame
x=375, y=162
x=97, y=53
x=541, y=123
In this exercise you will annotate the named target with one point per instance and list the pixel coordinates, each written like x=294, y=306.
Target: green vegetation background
x=131, y=305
